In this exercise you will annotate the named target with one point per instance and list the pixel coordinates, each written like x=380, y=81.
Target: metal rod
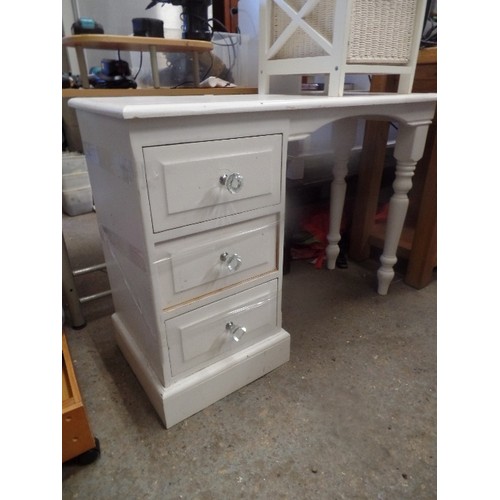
x=99, y=295
x=90, y=269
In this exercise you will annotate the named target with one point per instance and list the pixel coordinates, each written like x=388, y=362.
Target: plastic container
x=77, y=201
x=78, y=180
x=76, y=191
x=73, y=163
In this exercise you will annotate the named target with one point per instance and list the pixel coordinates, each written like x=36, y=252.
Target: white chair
x=338, y=37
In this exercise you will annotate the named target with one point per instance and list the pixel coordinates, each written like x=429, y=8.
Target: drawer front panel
x=185, y=182
x=205, y=262
x=199, y=337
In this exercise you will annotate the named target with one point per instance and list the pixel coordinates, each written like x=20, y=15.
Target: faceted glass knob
x=233, y=182
x=233, y=261
x=235, y=331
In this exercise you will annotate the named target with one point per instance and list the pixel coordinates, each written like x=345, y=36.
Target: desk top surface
x=171, y=106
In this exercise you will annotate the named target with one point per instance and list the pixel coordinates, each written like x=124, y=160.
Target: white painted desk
x=189, y=194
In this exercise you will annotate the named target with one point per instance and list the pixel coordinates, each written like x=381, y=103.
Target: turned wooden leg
x=344, y=134
x=410, y=144
x=371, y=167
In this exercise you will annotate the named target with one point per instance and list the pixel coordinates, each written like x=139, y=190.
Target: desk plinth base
x=204, y=387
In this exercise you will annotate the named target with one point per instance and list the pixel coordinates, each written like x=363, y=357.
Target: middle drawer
x=193, y=266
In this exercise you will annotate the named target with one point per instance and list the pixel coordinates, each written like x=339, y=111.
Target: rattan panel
x=381, y=31
x=300, y=44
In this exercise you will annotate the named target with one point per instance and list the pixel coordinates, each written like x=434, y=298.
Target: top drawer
x=195, y=182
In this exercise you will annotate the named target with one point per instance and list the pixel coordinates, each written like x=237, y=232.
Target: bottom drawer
x=204, y=335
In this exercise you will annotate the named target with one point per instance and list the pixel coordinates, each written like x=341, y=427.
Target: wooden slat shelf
x=136, y=43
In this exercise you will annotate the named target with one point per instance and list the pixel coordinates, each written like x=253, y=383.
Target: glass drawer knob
x=233, y=261
x=233, y=182
x=235, y=331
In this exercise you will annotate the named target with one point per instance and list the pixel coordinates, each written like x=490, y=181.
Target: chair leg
x=405, y=84
x=336, y=83
x=264, y=83
x=70, y=291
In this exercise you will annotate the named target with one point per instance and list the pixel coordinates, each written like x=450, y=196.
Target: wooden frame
x=77, y=437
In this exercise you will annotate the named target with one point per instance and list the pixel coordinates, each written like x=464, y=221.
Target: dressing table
x=190, y=199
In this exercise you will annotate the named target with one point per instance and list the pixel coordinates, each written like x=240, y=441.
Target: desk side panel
x=117, y=182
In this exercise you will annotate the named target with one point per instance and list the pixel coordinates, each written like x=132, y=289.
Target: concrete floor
x=352, y=415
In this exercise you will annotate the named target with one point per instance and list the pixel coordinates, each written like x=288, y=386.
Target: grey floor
x=352, y=415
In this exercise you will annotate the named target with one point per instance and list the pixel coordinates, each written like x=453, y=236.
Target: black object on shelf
x=113, y=74
x=146, y=26
x=86, y=26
